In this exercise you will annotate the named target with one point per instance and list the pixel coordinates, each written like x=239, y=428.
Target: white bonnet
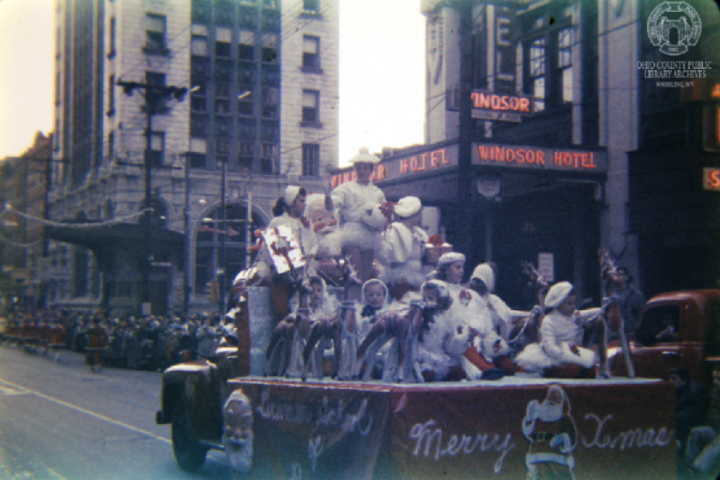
x=485, y=273
x=557, y=294
x=408, y=206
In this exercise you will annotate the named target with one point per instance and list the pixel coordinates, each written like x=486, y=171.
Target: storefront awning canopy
x=118, y=236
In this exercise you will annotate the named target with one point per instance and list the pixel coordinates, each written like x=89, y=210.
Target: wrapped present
x=284, y=249
x=435, y=248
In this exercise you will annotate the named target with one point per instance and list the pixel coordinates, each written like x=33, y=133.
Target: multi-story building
x=544, y=128
x=216, y=96
x=23, y=194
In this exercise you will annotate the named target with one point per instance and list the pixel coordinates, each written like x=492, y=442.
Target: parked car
x=676, y=330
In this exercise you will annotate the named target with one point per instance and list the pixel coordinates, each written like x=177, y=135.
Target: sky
x=382, y=68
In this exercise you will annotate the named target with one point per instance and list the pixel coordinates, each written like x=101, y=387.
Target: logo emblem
x=683, y=19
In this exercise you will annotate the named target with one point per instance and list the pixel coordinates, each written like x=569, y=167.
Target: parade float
x=521, y=426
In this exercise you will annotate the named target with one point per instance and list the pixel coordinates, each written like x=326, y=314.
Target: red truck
x=676, y=330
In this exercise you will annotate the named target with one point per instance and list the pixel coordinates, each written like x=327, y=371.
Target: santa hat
x=291, y=193
x=557, y=294
x=485, y=273
x=407, y=207
x=450, y=257
x=238, y=396
x=364, y=156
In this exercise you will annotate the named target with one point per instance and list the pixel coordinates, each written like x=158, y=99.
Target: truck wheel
x=188, y=453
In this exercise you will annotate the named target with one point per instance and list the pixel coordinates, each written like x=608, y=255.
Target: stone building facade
x=250, y=97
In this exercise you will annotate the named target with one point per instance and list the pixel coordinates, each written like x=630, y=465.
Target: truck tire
x=188, y=452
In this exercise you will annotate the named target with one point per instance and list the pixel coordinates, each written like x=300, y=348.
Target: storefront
x=530, y=204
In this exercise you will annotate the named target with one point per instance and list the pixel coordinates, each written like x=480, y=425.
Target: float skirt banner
x=317, y=430
x=583, y=430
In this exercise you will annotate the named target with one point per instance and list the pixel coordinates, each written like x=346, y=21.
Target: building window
x=155, y=78
x=198, y=97
x=311, y=6
x=113, y=34
x=310, y=106
x=223, y=41
x=245, y=156
x=565, y=41
x=269, y=48
x=111, y=95
x=537, y=72
x=246, y=45
x=222, y=98
x=246, y=128
x=154, y=156
x=268, y=157
x=199, y=46
x=245, y=100
x=198, y=152
x=222, y=150
x=111, y=146
x=270, y=102
x=311, y=53
x=311, y=159
x=154, y=33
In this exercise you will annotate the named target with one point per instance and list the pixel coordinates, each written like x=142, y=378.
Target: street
x=60, y=421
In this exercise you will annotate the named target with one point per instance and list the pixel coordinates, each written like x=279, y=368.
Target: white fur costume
x=557, y=334
x=352, y=199
x=402, y=252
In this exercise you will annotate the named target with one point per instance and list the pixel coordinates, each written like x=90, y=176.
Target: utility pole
x=155, y=95
x=221, y=256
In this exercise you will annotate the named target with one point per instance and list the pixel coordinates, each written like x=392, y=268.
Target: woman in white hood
x=404, y=247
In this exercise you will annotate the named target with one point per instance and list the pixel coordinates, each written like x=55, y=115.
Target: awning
x=118, y=236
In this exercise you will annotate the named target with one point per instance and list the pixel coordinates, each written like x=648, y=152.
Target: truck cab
x=676, y=330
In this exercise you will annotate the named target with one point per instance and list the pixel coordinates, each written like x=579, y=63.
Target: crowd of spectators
x=133, y=342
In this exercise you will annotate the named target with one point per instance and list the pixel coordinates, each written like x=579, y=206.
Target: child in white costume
x=561, y=337
x=404, y=246
x=442, y=340
x=467, y=303
x=376, y=301
x=351, y=199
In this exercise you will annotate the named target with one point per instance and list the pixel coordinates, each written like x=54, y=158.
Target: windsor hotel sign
x=518, y=157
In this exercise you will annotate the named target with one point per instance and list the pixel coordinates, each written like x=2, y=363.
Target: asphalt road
x=60, y=421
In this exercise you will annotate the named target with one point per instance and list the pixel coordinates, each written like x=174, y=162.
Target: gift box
x=435, y=248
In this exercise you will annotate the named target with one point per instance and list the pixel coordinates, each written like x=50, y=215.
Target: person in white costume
x=469, y=308
x=482, y=281
x=404, y=246
x=376, y=302
x=351, y=199
x=563, y=333
x=443, y=338
x=288, y=210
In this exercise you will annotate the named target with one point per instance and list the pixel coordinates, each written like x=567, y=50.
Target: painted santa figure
x=551, y=431
x=404, y=248
x=564, y=333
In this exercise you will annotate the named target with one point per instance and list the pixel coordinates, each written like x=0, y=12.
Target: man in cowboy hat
x=352, y=199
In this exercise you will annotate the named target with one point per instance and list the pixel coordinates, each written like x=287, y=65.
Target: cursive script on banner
x=348, y=422
x=437, y=445
x=633, y=438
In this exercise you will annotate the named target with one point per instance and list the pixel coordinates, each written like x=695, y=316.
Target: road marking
x=85, y=411
x=11, y=391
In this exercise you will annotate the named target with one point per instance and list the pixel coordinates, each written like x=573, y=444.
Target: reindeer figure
x=614, y=320
x=342, y=330
x=404, y=329
x=529, y=327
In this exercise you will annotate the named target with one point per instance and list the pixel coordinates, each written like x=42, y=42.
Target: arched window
x=208, y=245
